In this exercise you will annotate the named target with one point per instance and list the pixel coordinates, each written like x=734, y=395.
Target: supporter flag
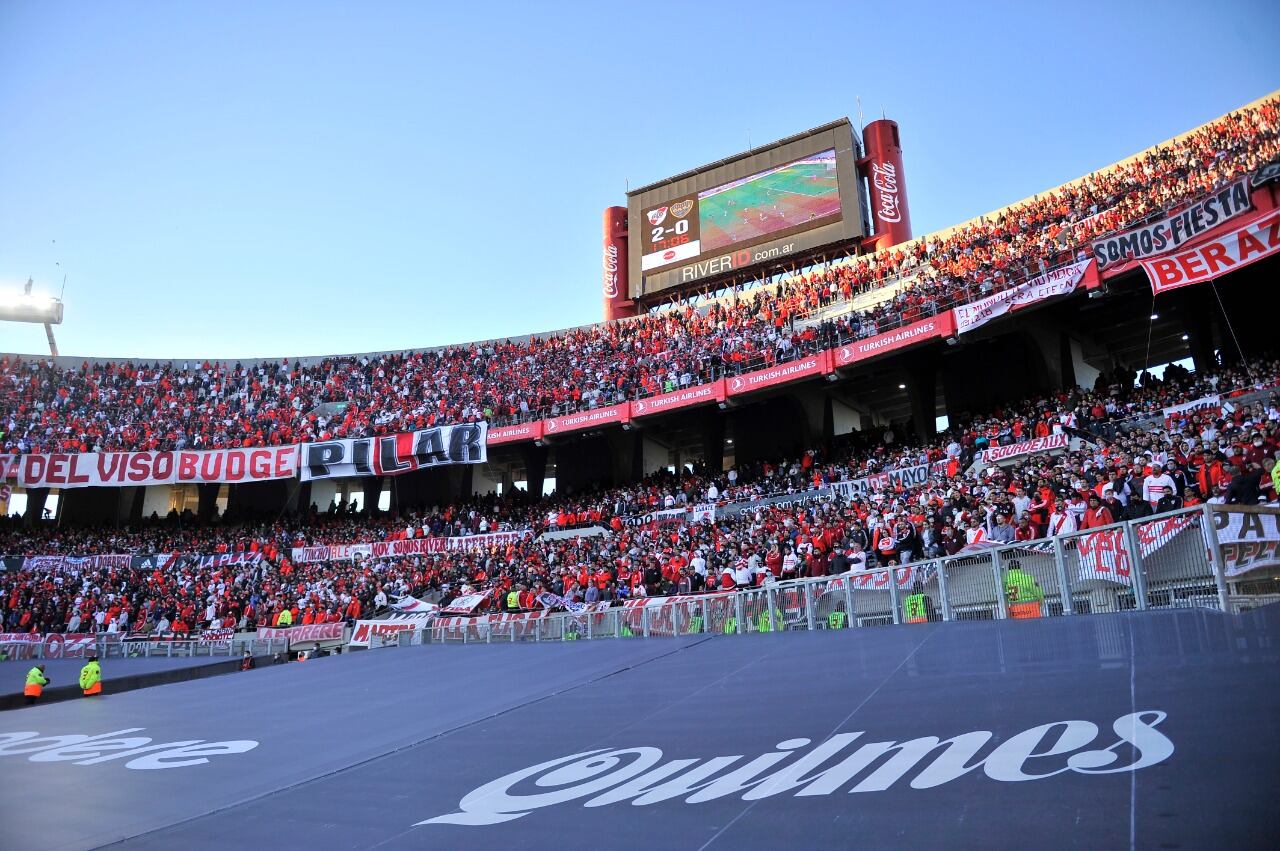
x=413, y=604
x=1104, y=556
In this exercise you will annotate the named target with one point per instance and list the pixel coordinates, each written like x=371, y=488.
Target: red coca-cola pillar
x=881, y=165
x=614, y=269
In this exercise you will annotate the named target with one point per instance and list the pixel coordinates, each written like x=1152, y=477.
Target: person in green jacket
x=1023, y=592
x=36, y=681
x=91, y=676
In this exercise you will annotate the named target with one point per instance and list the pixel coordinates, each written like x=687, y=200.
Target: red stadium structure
x=881, y=166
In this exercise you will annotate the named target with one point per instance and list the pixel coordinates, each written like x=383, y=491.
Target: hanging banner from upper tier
x=393, y=454
x=1174, y=231
x=1252, y=241
x=1053, y=283
x=127, y=469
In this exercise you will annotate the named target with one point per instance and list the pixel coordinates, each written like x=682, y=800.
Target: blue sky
x=241, y=180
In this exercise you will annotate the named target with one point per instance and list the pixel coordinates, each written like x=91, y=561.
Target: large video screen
x=786, y=199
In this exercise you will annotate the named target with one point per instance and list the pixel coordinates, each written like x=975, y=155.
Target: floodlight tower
x=25, y=307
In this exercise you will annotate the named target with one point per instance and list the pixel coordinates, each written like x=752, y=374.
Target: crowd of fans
x=128, y=406
x=1125, y=469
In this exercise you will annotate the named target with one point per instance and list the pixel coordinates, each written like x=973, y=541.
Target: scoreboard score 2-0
x=671, y=234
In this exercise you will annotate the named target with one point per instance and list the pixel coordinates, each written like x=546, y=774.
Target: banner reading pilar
x=393, y=454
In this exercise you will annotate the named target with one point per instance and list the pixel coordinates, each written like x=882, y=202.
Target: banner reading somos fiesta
x=124, y=469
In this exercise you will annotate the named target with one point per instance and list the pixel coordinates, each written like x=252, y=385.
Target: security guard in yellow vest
x=513, y=599
x=36, y=681
x=91, y=676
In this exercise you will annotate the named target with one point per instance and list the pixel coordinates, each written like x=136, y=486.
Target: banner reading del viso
x=393, y=454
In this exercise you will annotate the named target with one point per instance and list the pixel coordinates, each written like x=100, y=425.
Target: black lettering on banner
x=388, y=460
x=320, y=456
x=464, y=444
x=360, y=452
x=429, y=448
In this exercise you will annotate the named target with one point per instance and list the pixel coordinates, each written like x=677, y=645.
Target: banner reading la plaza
x=393, y=454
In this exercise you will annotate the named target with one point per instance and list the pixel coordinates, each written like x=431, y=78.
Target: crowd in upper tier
x=1122, y=470
x=128, y=406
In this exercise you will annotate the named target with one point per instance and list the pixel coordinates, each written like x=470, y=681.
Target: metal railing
x=1166, y=561
x=113, y=648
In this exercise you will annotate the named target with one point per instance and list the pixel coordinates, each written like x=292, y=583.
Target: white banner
x=413, y=605
x=127, y=469
x=379, y=632
x=1176, y=230
x=1052, y=443
x=1053, y=283
x=393, y=454
x=906, y=477
x=1211, y=404
x=405, y=547
x=466, y=603
x=1250, y=539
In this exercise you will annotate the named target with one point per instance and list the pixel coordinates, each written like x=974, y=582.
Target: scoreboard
x=792, y=196
x=671, y=234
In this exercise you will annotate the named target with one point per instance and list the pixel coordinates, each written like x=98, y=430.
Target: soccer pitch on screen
x=781, y=198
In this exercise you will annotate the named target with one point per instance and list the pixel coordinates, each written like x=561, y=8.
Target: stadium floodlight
x=23, y=307
x=27, y=307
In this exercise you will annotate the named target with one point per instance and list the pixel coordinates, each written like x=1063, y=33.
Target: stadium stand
x=609, y=544
x=127, y=406
x=1221, y=456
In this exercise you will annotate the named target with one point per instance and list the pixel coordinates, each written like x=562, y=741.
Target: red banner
x=686, y=398
x=123, y=469
x=783, y=373
x=612, y=415
x=1239, y=247
x=917, y=332
x=71, y=645
x=515, y=433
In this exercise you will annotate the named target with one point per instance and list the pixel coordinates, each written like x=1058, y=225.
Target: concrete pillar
x=713, y=421
x=372, y=488
x=208, y=500
x=535, y=467
x=922, y=390
x=129, y=508
x=36, y=499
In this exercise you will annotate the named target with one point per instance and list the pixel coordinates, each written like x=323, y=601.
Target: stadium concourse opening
x=1126, y=730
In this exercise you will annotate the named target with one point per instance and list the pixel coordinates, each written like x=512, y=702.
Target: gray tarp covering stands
x=355, y=751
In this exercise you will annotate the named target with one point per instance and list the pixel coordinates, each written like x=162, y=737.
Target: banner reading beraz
x=393, y=454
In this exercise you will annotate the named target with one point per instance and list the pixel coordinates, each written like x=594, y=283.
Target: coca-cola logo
x=884, y=177
x=634, y=775
x=611, y=271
